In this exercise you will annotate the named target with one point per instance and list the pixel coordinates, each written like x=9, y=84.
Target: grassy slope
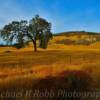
x=24, y=65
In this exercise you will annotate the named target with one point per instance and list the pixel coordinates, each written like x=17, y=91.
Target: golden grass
x=22, y=68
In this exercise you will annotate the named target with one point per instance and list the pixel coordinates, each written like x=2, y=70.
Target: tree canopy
x=23, y=32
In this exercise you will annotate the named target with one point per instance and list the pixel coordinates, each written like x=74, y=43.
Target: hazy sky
x=65, y=15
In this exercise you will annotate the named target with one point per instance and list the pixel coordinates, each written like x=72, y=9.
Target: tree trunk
x=35, y=47
x=34, y=42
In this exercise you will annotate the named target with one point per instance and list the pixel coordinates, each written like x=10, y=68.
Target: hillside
x=76, y=33
x=73, y=39
x=68, y=59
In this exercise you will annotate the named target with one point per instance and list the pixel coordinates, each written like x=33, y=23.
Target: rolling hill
x=68, y=59
x=76, y=33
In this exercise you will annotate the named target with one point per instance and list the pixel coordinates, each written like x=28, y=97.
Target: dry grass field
x=22, y=69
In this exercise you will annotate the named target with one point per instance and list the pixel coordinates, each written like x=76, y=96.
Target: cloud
x=22, y=9
x=9, y=10
x=64, y=15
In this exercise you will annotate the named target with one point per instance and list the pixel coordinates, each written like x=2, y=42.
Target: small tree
x=23, y=32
